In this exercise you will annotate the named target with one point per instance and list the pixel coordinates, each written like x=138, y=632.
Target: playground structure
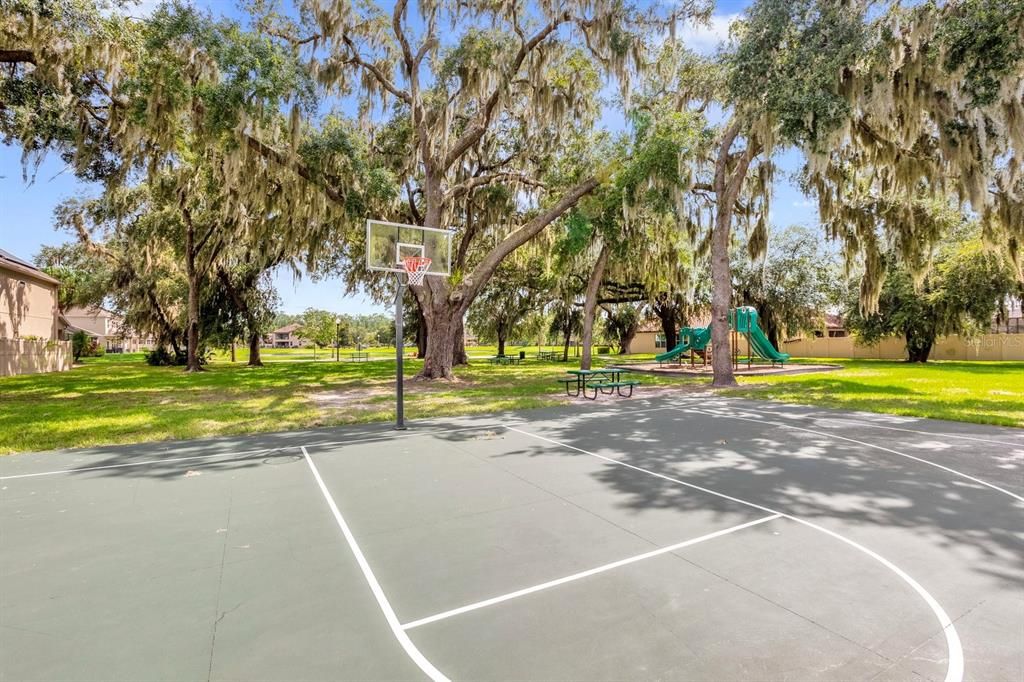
x=695, y=342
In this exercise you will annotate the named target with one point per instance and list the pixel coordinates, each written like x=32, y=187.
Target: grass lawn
x=120, y=399
x=980, y=392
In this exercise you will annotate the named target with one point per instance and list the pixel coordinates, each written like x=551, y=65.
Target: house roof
x=11, y=262
x=833, y=321
x=287, y=329
x=89, y=311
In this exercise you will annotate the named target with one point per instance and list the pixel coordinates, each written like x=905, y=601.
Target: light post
x=337, y=339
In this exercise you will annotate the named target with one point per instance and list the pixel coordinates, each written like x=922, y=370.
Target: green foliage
x=621, y=322
x=79, y=344
x=798, y=280
x=960, y=295
x=983, y=38
x=319, y=327
x=787, y=59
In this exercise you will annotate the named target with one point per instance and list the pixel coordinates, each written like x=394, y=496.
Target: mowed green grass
x=980, y=392
x=119, y=399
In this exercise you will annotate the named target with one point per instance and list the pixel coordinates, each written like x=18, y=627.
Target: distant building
x=284, y=337
x=29, y=320
x=107, y=327
x=650, y=338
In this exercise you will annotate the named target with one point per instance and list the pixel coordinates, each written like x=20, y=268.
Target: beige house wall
x=643, y=342
x=998, y=347
x=18, y=356
x=29, y=309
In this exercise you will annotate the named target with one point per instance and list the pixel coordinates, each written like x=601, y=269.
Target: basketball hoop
x=416, y=268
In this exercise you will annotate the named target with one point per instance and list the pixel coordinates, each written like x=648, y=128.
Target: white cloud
x=707, y=38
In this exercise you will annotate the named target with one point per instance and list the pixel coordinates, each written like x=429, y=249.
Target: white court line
x=826, y=434
x=382, y=601
x=955, y=665
x=582, y=574
x=244, y=454
x=409, y=434
x=874, y=425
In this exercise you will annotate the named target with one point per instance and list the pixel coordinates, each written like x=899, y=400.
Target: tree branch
x=355, y=58
x=483, y=180
x=473, y=134
x=472, y=284
x=17, y=57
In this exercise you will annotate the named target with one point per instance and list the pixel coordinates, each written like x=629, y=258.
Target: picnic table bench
x=357, y=355
x=607, y=381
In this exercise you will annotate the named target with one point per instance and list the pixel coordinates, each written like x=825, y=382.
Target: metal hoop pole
x=399, y=353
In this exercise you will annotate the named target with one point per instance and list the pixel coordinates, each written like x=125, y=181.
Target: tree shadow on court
x=813, y=477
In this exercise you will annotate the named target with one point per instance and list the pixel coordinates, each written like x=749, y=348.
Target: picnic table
x=549, y=355
x=504, y=360
x=599, y=380
x=357, y=355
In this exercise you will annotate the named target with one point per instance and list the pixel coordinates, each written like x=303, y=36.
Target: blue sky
x=26, y=223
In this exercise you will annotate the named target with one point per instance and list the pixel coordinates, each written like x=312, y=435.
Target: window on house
x=818, y=334
x=659, y=341
x=836, y=333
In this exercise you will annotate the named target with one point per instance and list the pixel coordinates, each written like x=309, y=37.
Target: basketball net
x=416, y=268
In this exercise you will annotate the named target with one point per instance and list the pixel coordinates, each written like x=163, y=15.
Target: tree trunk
x=421, y=332
x=918, y=349
x=254, y=349
x=501, y=340
x=727, y=186
x=459, y=356
x=627, y=338
x=565, y=347
x=590, y=306
x=669, y=316
x=721, y=300
x=192, y=347
x=443, y=306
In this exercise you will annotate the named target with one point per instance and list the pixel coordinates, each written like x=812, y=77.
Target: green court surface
x=698, y=538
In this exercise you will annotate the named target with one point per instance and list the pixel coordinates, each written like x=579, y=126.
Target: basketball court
x=689, y=537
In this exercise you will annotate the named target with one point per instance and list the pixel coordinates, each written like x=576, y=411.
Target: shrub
x=162, y=357
x=79, y=344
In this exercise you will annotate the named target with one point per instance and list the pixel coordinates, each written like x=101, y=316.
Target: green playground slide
x=744, y=320
x=690, y=339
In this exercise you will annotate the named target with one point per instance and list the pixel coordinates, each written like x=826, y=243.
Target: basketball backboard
x=388, y=243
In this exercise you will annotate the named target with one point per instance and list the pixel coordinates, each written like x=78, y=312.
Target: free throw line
x=382, y=601
x=582, y=574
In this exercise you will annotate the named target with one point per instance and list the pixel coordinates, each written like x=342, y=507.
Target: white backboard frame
x=438, y=267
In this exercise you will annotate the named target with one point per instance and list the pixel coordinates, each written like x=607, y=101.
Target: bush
x=162, y=357
x=79, y=344
x=604, y=350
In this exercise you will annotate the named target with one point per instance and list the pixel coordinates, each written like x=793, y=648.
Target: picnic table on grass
x=504, y=360
x=549, y=355
x=359, y=355
x=608, y=381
